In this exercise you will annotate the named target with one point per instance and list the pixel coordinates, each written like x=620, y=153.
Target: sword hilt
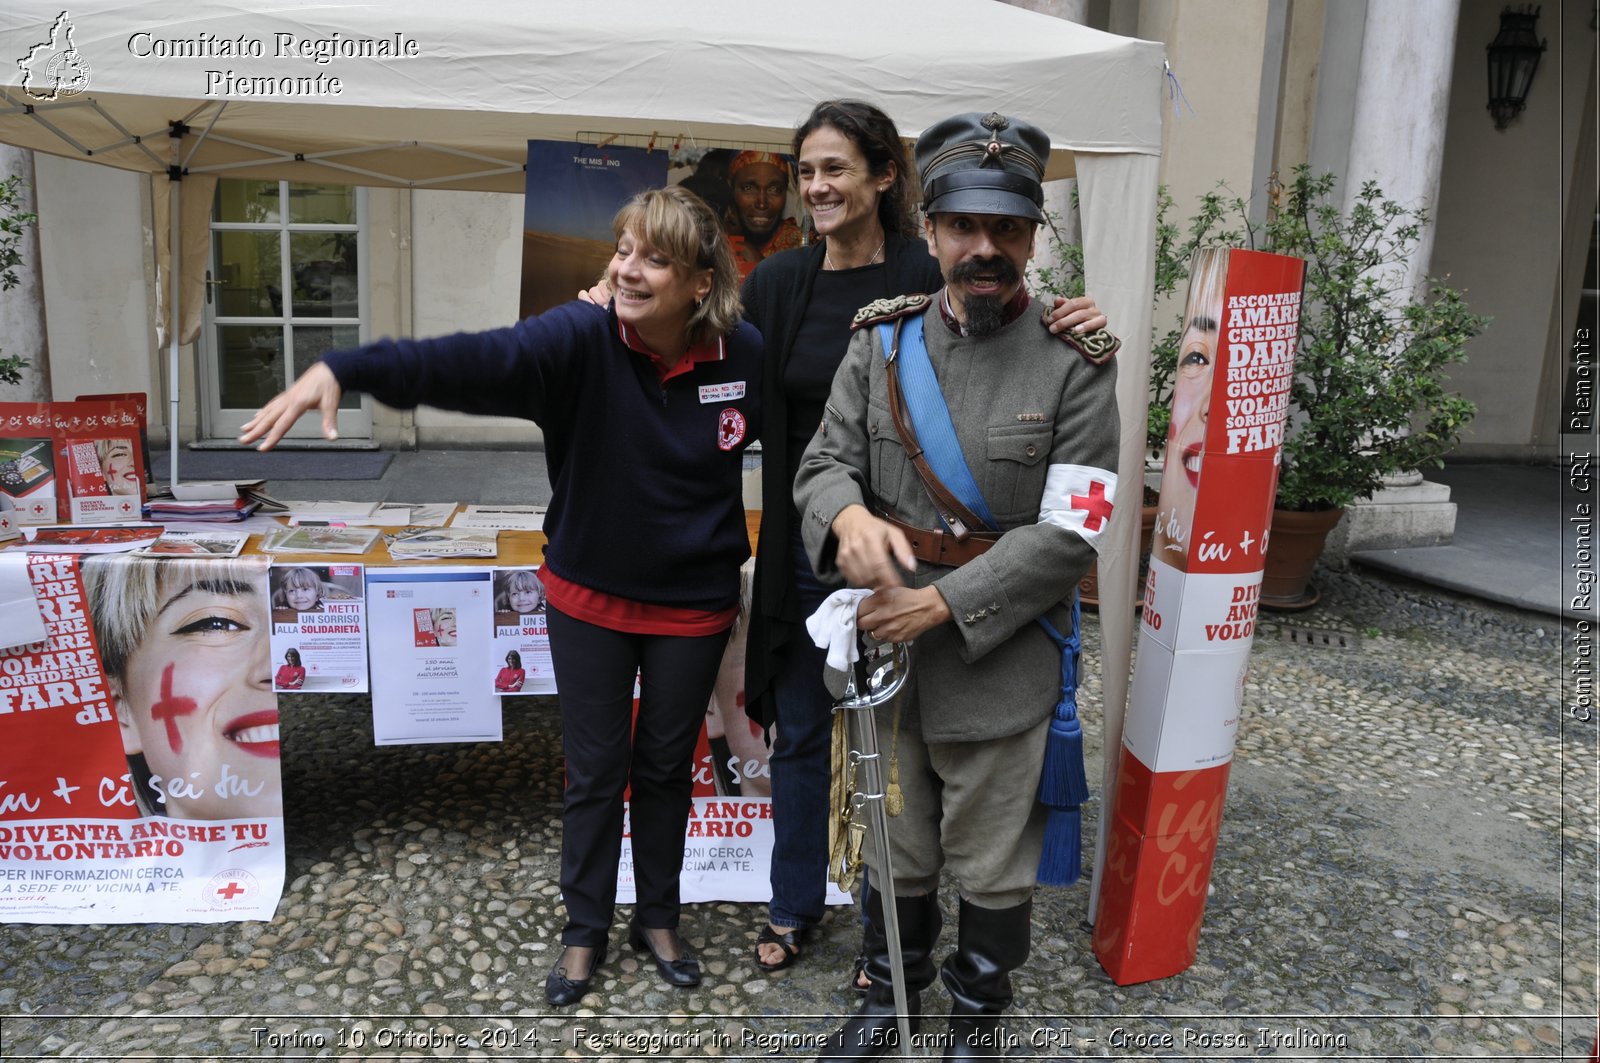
x=877, y=675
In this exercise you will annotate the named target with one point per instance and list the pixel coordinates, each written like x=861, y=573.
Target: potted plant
x=1370, y=397
x=14, y=221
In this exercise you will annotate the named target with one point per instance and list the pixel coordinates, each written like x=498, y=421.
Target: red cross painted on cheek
x=169, y=708
x=1097, y=504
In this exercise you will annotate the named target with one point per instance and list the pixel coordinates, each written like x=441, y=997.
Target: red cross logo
x=1096, y=504
x=169, y=708
x=230, y=891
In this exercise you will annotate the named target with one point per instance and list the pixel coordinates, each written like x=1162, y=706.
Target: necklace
x=827, y=256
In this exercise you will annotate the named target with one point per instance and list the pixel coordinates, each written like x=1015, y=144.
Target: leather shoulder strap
x=961, y=521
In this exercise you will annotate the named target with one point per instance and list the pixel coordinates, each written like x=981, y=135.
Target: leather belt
x=939, y=547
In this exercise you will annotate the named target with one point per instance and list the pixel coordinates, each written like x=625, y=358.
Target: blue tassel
x=1059, y=863
x=1063, y=782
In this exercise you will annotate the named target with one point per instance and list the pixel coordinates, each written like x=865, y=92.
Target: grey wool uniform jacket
x=1038, y=426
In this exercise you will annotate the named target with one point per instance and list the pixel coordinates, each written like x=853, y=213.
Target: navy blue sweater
x=646, y=501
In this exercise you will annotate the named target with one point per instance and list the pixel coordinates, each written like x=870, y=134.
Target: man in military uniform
x=1037, y=425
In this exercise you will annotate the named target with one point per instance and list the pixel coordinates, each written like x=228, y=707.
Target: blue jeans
x=800, y=768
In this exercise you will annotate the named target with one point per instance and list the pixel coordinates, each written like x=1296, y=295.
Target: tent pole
x=175, y=316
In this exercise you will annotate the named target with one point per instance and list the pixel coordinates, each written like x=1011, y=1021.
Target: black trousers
x=607, y=752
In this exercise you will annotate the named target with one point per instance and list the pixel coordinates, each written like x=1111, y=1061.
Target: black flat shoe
x=682, y=972
x=563, y=991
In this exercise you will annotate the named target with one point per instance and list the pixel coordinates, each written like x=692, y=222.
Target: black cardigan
x=776, y=296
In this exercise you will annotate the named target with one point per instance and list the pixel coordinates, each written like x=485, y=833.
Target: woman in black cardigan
x=858, y=184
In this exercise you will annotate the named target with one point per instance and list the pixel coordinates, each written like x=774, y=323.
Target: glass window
x=271, y=239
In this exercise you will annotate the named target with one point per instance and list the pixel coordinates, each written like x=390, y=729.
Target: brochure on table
x=432, y=685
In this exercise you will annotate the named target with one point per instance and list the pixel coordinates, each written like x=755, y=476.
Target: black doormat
x=246, y=464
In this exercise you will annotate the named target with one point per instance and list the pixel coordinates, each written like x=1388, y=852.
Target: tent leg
x=174, y=319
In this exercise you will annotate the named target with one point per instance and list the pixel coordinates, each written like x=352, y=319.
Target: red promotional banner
x=1229, y=407
x=139, y=777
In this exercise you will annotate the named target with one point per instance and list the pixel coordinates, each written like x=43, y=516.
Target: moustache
x=999, y=267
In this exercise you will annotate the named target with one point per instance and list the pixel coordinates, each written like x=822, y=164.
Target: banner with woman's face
x=140, y=745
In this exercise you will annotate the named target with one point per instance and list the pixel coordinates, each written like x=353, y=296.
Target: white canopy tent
x=426, y=95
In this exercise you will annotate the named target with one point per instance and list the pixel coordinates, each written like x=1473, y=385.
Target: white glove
x=833, y=627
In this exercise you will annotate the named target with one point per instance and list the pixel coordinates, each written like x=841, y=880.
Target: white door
x=286, y=284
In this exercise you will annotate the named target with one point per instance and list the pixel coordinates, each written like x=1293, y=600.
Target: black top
x=824, y=334
x=778, y=300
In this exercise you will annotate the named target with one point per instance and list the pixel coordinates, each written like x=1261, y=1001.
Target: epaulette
x=880, y=310
x=1097, y=347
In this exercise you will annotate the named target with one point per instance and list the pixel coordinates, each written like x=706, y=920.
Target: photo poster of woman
x=1236, y=354
x=521, y=634
x=139, y=746
x=574, y=190
x=428, y=623
x=319, y=628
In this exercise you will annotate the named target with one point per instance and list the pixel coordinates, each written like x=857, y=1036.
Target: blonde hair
x=680, y=225
x=509, y=582
x=1208, y=274
x=296, y=578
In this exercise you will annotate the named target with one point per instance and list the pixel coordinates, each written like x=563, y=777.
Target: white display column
x=22, y=321
x=1397, y=140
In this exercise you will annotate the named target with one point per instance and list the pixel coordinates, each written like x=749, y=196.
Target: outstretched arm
x=316, y=389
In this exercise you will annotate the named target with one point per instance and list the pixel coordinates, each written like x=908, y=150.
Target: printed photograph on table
x=319, y=618
x=521, y=634
x=144, y=734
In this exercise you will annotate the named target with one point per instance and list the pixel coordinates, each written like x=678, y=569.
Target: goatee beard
x=986, y=314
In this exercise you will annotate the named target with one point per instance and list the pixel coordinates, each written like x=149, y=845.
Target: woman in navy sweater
x=646, y=405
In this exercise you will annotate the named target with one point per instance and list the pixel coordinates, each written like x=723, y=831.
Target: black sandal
x=789, y=942
x=857, y=973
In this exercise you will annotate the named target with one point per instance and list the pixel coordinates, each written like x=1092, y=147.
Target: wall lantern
x=1513, y=57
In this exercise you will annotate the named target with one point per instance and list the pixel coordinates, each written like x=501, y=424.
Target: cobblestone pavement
x=1407, y=869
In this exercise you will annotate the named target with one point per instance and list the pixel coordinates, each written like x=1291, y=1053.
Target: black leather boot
x=990, y=944
x=874, y=1030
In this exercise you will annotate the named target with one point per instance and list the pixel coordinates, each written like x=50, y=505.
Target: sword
x=874, y=679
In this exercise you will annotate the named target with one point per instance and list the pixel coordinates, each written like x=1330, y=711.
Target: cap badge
x=994, y=122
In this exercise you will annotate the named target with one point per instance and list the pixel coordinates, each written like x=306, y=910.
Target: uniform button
x=1032, y=450
x=873, y=428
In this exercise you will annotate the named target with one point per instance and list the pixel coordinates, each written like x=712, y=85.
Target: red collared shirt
x=713, y=350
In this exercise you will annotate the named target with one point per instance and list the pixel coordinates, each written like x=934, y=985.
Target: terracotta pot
x=1292, y=552
x=1089, y=585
